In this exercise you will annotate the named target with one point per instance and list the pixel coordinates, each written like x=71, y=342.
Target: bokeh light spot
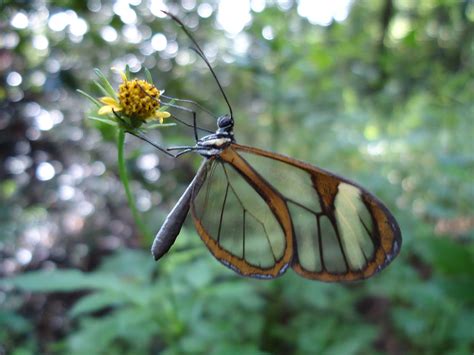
x=147, y=161
x=9, y=40
x=40, y=42
x=324, y=12
x=109, y=34
x=23, y=256
x=159, y=42
x=188, y=4
x=267, y=33
x=14, y=79
x=205, y=10
x=45, y=171
x=20, y=21
x=257, y=5
x=78, y=27
x=156, y=7
x=58, y=21
x=232, y=16
x=38, y=78
x=44, y=121
x=66, y=192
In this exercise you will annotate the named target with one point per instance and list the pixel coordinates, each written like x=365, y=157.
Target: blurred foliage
x=384, y=97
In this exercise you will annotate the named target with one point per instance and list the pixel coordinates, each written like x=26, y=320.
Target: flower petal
x=108, y=109
x=110, y=101
x=105, y=110
x=162, y=114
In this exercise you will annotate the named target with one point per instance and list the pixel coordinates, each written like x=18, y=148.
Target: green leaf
x=59, y=281
x=95, y=302
x=129, y=263
x=105, y=84
x=167, y=106
x=13, y=321
x=131, y=326
x=463, y=328
x=127, y=71
x=355, y=342
x=158, y=125
x=459, y=287
x=102, y=89
x=123, y=174
x=92, y=99
x=104, y=120
x=410, y=321
x=448, y=256
x=148, y=76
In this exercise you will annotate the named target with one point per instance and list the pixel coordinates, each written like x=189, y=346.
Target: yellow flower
x=137, y=99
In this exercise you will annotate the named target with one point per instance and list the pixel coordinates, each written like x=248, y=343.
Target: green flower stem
x=124, y=178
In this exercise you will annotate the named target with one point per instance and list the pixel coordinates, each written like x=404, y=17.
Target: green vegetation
x=384, y=97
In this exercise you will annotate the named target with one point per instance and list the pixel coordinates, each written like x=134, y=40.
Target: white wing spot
x=347, y=205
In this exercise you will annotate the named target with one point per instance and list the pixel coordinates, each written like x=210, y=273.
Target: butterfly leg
x=194, y=124
x=183, y=149
x=143, y=138
x=179, y=107
x=183, y=152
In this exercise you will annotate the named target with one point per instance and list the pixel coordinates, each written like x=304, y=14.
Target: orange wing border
x=387, y=241
x=387, y=236
x=278, y=207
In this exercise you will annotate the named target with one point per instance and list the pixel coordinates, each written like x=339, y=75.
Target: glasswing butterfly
x=260, y=212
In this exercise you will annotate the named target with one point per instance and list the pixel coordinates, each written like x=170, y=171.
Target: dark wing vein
x=222, y=213
x=320, y=242
x=339, y=241
x=268, y=240
x=206, y=199
x=243, y=233
x=250, y=213
x=317, y=214
x=372, y=237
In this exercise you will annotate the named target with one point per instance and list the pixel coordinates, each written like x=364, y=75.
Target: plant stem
x=124, y=178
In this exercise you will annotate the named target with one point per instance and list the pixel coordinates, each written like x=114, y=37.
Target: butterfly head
x=225, y=127
x=215, y=143
x=225, y=123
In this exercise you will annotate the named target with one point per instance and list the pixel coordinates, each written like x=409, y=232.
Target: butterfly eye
x=225, y=121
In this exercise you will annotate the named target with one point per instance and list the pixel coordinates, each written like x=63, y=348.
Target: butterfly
x=260, y=213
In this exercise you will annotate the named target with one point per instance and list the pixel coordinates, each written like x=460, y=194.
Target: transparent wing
x=241, y=229
x=340, y=231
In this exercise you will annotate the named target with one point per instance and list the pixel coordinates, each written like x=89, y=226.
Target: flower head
x=137, y=99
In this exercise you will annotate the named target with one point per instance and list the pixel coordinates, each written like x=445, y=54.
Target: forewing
x=341, y=232
x=238, y=221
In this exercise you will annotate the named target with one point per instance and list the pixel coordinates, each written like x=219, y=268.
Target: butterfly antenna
x=200, y=52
